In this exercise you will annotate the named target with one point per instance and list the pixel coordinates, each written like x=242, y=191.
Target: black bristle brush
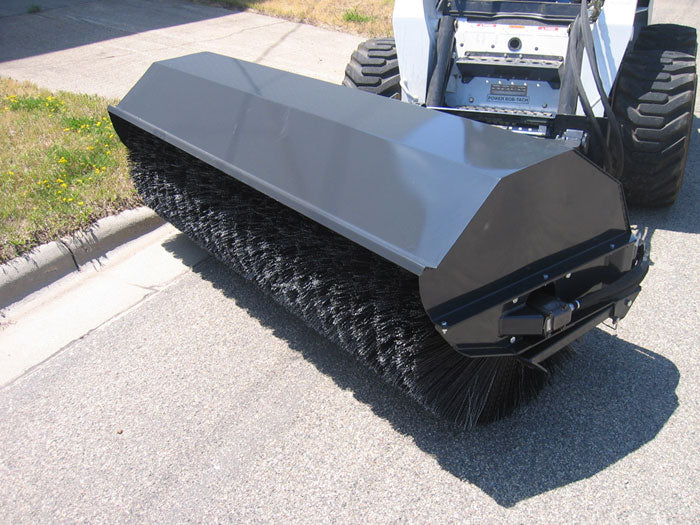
x=360, y=301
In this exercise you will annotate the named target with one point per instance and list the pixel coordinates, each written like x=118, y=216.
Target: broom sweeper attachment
x=453, y=257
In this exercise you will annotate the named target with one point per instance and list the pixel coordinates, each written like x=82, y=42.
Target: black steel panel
x=479, y=213
x=535, y=226
x=400, y=180
x=545, y=11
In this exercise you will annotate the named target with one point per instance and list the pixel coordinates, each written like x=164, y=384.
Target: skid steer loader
x=457, y=232
x=622, y=92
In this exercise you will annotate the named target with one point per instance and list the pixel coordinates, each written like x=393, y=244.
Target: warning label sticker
x=510, y=99
x=509, y=93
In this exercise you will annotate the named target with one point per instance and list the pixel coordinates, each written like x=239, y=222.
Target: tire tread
x=374, y=67
x=654, y=102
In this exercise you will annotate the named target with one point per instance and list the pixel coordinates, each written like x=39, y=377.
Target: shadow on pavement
x=64, y=24
x=609, y=399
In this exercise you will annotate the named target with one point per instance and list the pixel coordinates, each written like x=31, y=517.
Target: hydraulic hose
x=569, y=92
x=578, y=83
x=445, y=41
x=614, y=133
x=581, y=31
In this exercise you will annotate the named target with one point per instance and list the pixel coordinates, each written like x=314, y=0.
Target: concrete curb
x=47, y=263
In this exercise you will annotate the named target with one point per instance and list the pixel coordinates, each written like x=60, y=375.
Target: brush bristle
x=365, y=304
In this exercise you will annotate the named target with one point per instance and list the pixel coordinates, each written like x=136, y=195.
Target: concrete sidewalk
x=103, y=47
x=40, y=325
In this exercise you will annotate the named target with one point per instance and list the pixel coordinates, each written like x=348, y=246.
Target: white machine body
x=415, y=25
x=541, y=45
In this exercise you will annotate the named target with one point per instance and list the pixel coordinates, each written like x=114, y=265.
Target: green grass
x=61, y=166
x=352, y=15
x=370, y=18
x=34, y=8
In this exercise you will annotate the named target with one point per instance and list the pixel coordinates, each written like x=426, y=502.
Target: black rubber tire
x=654, y=102
x=374, y=68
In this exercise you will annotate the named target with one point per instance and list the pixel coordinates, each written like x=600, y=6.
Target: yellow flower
x=64, y=185
x=98, y=123
x=79, y=181
x=66, y=129
x=80, y=203
x=91, y=148
x=10, y=172
x=59, y=180
x=103, y=168
x=70, y=199
x=35, y=208
x=59, y=192
x=63, y=199
x=62, y=160
x=108, y=152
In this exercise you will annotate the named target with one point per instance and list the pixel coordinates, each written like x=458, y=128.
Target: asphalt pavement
x=201, y=400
